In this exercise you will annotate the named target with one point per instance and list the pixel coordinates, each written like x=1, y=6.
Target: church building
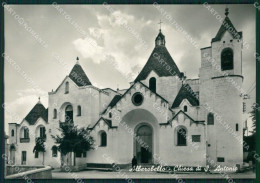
x=162, y=117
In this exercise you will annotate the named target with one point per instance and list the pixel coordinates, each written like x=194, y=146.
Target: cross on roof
x=226, y=11
x=160, y=24
x=77, y=60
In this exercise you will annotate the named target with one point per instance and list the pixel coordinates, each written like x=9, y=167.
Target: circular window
x=137, y=99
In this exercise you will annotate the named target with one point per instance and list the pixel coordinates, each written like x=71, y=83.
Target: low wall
x=38, y=172
x=76, y=168
x=14, y=169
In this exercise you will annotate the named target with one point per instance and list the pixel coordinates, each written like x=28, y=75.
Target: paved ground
x=123, y=174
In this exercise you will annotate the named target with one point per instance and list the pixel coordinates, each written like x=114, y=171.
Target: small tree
x=73, y=139
x=39, y=146
x=253, y=116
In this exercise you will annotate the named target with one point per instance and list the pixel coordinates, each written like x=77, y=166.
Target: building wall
x=193, y=154
x=91, y=100
x=29, y=146
x=217, y=95
x=13, y=139
x=167, y=87
x=220, y=96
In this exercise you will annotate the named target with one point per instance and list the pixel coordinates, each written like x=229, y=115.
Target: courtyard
x=124, y=174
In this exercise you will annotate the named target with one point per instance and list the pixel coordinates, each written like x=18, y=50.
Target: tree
x=39, y=146
x=73, y=140
x=253, y=116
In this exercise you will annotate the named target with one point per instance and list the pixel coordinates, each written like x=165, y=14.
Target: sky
x=106, y=41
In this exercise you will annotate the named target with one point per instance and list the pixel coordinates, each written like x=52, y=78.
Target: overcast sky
x=113, y=42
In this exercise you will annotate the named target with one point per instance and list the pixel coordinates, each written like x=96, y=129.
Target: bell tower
x=220, y=92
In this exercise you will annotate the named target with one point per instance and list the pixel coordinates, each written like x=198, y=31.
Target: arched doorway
x=144, y=143
x=12, y=154
x=69, y=114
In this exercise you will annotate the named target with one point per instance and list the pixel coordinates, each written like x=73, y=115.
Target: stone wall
x=28, y=172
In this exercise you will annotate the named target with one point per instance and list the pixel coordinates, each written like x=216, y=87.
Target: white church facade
x=162, y=117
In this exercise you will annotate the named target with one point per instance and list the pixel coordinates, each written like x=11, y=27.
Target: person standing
x=134, y=163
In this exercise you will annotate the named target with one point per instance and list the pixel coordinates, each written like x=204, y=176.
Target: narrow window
x=237, y=127
x=195, y=138
x=152, y=84
x=79, y=110
x=103, y=139
x=54, y=113
x=36, y=154
x=23, y=158
x=26, y=133
x=67, y=87
x=54, y=151
x=210, y=119
x=227, y=59
x=185, y=108
x=110, y=115
x=42, y=132
x=69, y=114
x=181, y=137
x=12, y=133
x=221, y=159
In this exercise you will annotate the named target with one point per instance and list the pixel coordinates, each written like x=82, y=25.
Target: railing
x=24, y=140
x=65, y=123
x=41, y=138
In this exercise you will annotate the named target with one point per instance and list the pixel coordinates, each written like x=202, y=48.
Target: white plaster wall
x=222, y=98
x=167, y=87
x=190, y=155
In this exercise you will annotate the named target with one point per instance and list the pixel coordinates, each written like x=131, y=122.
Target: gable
x=186, y=92
x=227, y=26
x=106, y=121
x=186, y=116
x=143, y=85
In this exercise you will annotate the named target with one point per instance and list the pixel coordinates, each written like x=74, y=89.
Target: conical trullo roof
x=160, y=61
x=78, y=75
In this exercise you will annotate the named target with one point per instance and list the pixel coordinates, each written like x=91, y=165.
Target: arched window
x=12, y=133
x=210, y=119
x=227, y=59
x=181, y=137
x=42, y=132
x=79, y=110
x=26, y=133
x=69, y=114
x=54, y=113
x=185, y=108
x=54, y=151
x=110, y=115
x=103, y=139
x=152, y=84
x=67, y=87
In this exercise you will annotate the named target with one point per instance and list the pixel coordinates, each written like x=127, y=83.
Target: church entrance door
x=143, y=142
